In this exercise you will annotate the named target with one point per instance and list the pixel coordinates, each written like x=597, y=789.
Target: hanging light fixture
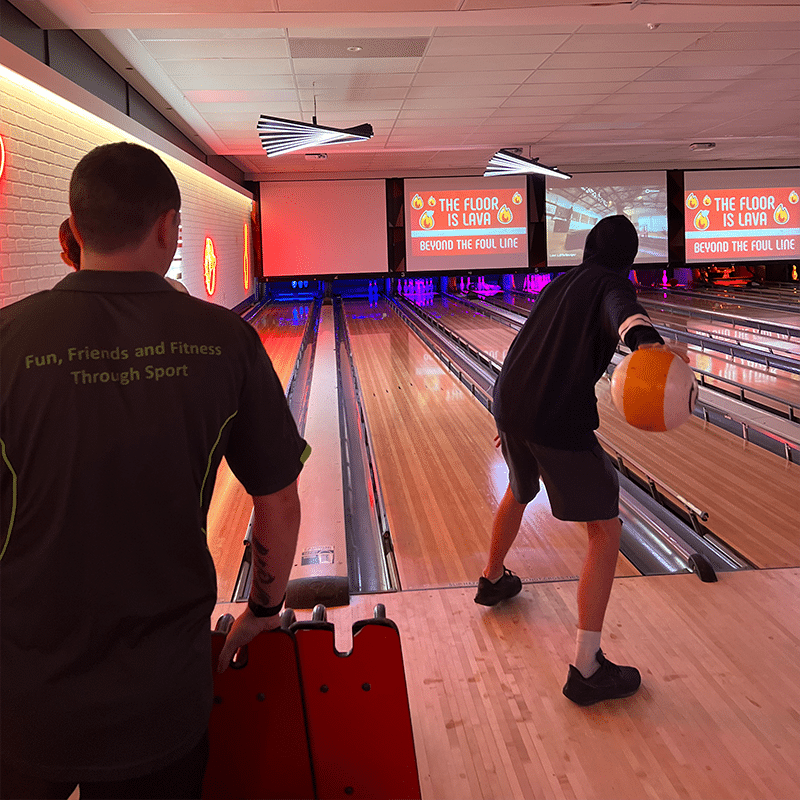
x=505, y=162
x=279, y=136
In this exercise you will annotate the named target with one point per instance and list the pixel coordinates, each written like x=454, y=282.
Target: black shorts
x=582, y=485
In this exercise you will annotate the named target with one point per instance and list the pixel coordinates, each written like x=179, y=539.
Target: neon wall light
x=246, y=265
x=210, y=267
x=2, y=156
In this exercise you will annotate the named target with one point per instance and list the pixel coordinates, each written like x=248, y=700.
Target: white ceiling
x=445, y=83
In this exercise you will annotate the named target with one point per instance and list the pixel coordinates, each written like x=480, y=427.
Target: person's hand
x=244, y=630
x=680, y=349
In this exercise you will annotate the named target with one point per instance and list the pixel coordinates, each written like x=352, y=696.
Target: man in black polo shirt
x=546, y=413
x=120, y=396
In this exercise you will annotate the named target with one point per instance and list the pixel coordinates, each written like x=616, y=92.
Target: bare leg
x=504, y=530
x=594, y=587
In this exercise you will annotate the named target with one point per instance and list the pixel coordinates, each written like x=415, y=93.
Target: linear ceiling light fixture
x=506, y=162
x=279, y=136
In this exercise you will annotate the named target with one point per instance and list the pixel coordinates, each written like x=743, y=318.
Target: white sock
x=586, y=647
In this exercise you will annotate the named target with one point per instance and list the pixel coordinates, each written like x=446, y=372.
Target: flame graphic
x=210, y=267
x=691, y=201
x=504, y=215
x=794, y=198
x=516, y=199
x=426, y=220
x=706, y=201
x=416, y=202
x=781, y=215
x=246, y=260
x=794, y=272
x=701, y=220
x=432, y=201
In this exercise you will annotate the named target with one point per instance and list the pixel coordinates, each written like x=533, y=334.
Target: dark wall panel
x=23, y=33
x=74, y=59
x=224, y=167
x=144, y=112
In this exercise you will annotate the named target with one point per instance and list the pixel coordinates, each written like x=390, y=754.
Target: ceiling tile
x=155, y=34
x=217, y=67
x=356, y=79
x=677, y=74
x=628, y=42
x=553, y=101
x=360, y=6
x=752, y=39
x=466, y=90
x=691, y=87
x=493, y=45
x=314, y=66
x=603, y=60
x=513, y=77
x=274, y=83
x=217, y=48
x=732, y=58
x=586, y=75
x=546, y=89
x=480, y=63
x=358, y=33
x=453, y=102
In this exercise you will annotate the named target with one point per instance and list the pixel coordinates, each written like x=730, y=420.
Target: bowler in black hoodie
x=546, y=413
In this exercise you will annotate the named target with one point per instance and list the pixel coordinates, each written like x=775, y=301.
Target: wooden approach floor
x=230, y=507
x=717, y=717
x=441, y=475
x=749, y=493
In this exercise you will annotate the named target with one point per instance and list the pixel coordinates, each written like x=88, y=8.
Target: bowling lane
x=441, y=475
x=494, y=339
x=281, y=327
x=738, y=310
x=487, y=335
x=783, y=386
x=750, y=494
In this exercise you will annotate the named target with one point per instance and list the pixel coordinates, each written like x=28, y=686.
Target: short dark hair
x=69, y=244
x=116, y=194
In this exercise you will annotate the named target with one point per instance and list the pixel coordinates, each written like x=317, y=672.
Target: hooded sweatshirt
x=545, y=391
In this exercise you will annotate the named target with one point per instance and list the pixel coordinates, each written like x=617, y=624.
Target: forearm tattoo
x=262, y=578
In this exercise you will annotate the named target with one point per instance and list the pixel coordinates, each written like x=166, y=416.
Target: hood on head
x=612, y=243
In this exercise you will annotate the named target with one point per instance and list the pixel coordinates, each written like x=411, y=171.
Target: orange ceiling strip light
x=210, y=267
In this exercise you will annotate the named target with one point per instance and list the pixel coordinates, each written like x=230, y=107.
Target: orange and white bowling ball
x=654, y=390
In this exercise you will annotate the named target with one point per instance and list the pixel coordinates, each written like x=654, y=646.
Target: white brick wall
x=44, y=138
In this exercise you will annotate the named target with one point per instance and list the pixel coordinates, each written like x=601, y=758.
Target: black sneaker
x=609, y=682
x=489, y=594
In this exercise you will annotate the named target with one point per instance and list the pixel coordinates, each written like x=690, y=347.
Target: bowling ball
x=654, y=390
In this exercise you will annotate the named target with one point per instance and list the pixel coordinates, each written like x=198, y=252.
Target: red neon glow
x=210, y=267
x=246, y=257
x=2, y=156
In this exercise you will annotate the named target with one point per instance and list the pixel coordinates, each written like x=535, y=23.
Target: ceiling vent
x=305, y=47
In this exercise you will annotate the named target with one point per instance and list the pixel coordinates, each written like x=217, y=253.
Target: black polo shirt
x=120, y=396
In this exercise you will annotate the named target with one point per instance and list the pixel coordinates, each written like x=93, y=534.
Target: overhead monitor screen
x=466, y=223
x=575, y=206
x=323, y=227
x=742, y=215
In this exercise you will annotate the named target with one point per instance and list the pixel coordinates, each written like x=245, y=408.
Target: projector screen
x=466, y=223
x=573, y=208
x=323, y=227
x=742, y=215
